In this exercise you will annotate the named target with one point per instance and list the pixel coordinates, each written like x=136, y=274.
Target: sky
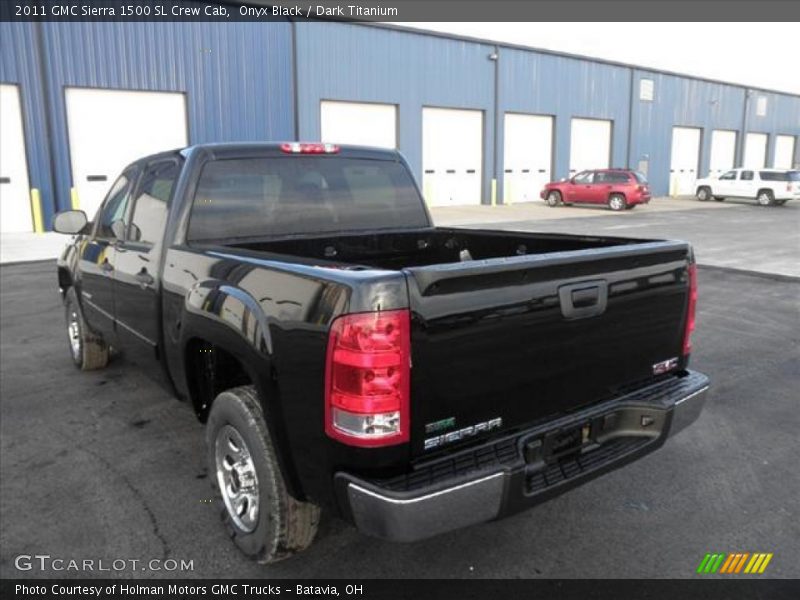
x=734, y=52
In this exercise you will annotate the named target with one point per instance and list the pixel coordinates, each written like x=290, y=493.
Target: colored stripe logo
x=734, y=563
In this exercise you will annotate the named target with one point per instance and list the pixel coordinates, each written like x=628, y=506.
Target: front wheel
x=264, y=520
x=765, y=198
x=553, y=199
x=88, y=351
x=617, y=202
x=703, y=194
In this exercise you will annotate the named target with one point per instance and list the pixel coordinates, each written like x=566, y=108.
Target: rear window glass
x=794, y=175
x=640, y=177
x=611, y=177
x=267, y=197
x=776, y=176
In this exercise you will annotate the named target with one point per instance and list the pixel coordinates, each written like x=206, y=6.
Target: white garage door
x=784, y=152
x=723, y=151
x=452, y=155
x=684, y=161
x=15, y=206
x=589, y=145
x=755, y=151
x=110, y=128
x=528, y=156
x=359, y=124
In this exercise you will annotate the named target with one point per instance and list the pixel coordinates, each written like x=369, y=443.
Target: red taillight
x=367, y=378
x=691, y=309
x=306, y=148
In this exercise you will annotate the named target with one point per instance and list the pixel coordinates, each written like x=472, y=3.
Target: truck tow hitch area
x=569, y=450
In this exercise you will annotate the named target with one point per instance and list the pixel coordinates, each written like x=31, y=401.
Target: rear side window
x=152, y=199
x=794, y=175
x=614, y=177
x=746, y=176
x=776, y=176
x=269, y=197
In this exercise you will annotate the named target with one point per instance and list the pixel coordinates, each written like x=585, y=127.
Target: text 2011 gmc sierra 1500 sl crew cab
x=345, y=354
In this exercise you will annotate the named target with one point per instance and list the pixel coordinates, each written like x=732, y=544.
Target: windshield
x=270, y=197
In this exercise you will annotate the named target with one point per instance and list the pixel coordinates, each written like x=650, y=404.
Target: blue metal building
x=267, y=81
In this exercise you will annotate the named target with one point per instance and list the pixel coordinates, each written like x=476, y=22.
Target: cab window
x=729, y=176
x=115, y=207
x=584, y=177
x=746, y=176
x=150, y=207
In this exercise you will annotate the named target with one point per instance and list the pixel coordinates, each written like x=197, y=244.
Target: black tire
x=617, y=202
x=765, y=198
x=553, y=198
x=719, y=198
x=284, y=526
x=703, y=193
x=88, y=351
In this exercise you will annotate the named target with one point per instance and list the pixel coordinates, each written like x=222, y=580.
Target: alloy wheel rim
x=74, y=334
x=237, y=479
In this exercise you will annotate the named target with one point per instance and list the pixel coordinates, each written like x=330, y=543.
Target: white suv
x=767, y=186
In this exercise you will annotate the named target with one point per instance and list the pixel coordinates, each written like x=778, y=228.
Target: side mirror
x=70, y=222
x=118, y=229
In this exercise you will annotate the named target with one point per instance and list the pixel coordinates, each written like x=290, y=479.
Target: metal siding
x=19, y=64
x=564, y=87
x=782, y=118
x=237, y=78
x=679, y=102
x=339, y=61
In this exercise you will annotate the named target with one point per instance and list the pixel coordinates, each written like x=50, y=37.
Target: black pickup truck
x=346, y=354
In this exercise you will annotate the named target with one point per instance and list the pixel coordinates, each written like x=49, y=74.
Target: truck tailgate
x=501, y=343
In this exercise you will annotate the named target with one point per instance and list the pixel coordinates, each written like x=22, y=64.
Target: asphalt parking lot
x=108, y=465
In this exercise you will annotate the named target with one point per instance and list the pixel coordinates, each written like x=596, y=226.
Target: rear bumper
x=455, y=492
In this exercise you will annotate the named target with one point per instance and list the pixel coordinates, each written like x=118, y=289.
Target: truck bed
x=519, y=326
x=398, y=250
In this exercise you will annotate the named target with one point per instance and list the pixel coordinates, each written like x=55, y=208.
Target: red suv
x=620, y=189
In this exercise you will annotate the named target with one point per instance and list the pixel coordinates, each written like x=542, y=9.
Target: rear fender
x=231, y=320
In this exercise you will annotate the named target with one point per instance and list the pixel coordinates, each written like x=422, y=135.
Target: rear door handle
x=583, y=299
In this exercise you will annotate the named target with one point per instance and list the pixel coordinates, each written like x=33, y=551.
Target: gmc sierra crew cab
x=346, y=354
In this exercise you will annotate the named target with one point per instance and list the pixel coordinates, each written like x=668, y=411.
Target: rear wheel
x=765, y=198
x=703, y=194
x=553, y=198
x=88, y=351
x=617, y=202
x=265, y=522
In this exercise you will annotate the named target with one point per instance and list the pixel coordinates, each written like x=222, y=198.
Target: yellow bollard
x=73, y=195
x=36, y=211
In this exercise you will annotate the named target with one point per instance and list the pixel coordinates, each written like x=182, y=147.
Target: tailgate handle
x=583, y=299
